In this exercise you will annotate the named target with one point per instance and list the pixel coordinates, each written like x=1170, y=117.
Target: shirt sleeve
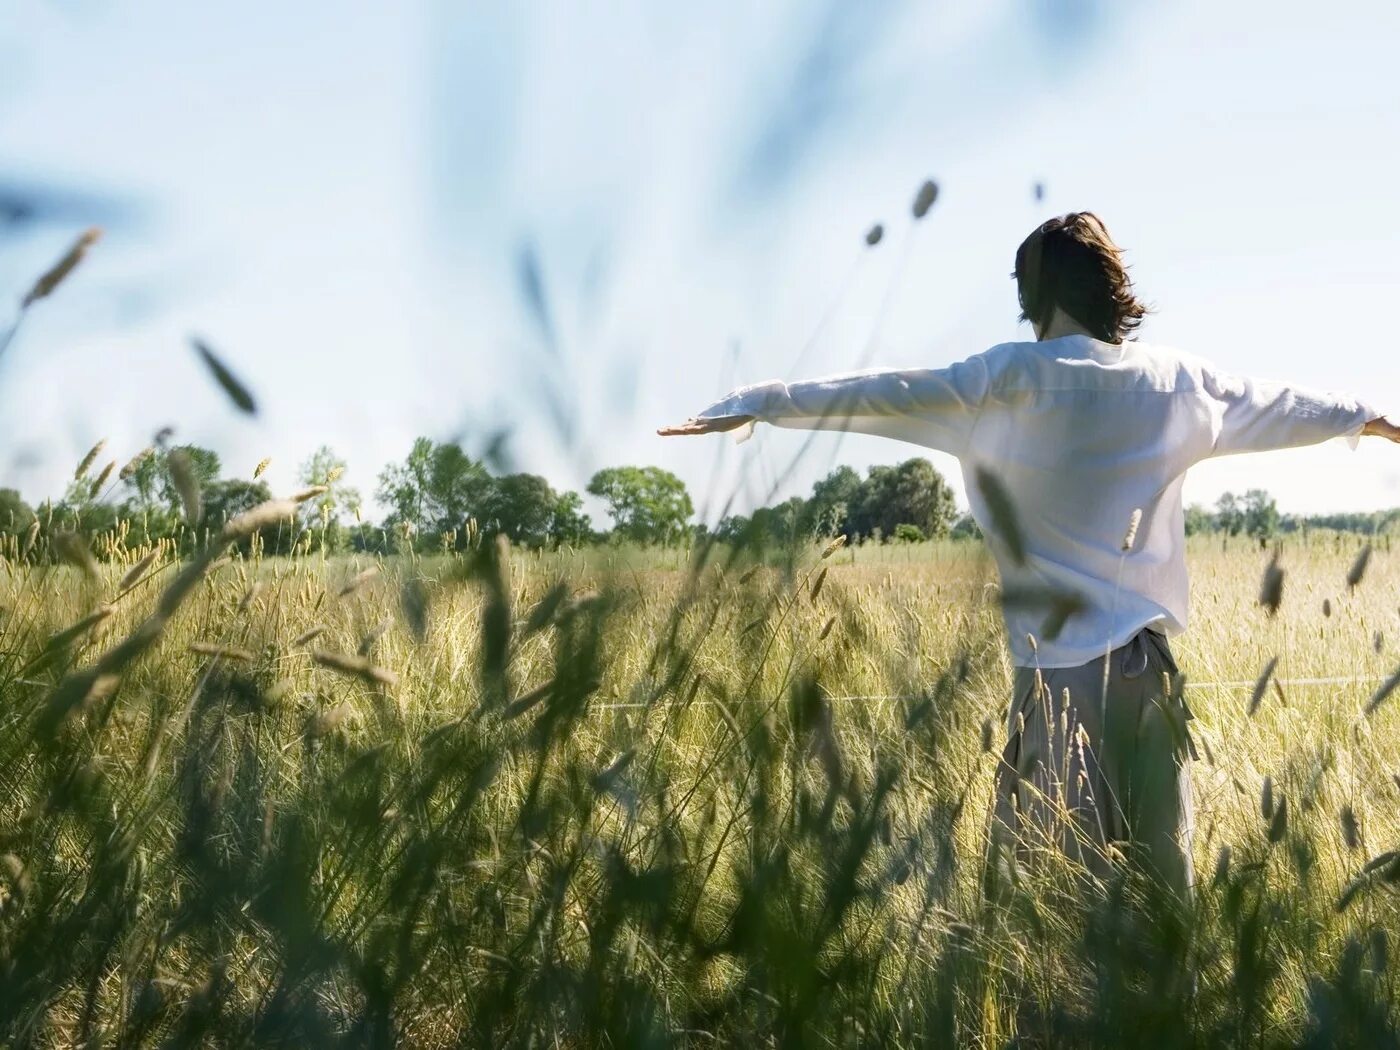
x=1251, y=415
x=934, y=407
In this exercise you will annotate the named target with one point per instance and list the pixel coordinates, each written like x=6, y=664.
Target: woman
x=1074, y=448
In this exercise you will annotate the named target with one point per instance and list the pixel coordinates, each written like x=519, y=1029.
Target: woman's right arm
x=934, y=407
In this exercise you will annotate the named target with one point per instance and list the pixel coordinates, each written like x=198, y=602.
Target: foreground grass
x=589, y=798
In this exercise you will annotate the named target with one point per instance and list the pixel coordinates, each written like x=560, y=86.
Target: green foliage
x=570, y=524
x=647, y=504
x=322, y=516
x=912, y=493
x=905, y=533
x=1199, y=520
x=829, y=509
x=1261, y=518
x=15, y=515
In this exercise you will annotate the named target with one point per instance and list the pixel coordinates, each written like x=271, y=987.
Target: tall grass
x=591, y=798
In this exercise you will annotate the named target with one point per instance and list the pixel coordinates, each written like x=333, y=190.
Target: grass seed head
x=236, y=391
x=326, y=722
x=73, y=549
x=46, y=284
x=413, y=600
x=1222, y=866
x=260, y=517
x=133, y=575
x=1003, y=513
x=134, y=463
x=310, y=635
x=1358, y=567
x=186, y=484
x=1278, y=825
x=1130, y=537
x=310, y=493
x=88, y=460
x=1351, y=830
x=375, y=633
x=358, y=580
x=251, y=595
x=1271, y=589
x=923, y=200
x=355, y=667
x=101, y=479
x=1379, y=697
x=262, y=466
x=222, y=652
x=1261, y=686
x=31, y=536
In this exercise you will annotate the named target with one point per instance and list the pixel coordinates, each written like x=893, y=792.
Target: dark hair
x=1071, y=262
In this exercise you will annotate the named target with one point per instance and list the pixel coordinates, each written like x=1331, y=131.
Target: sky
x=570, y=223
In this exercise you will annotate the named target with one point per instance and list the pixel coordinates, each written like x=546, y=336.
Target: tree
x=1261, y=518
x=780, y=525
x=912, y=493
x=458, y=488
x=647, y=504
x=828, y=511
x=1199, y=520
x=15, y=514
x=569, y=523
x=522, y=507
x=732, y=529
x=1229, y=515
x=322, y=513
x=435, y=489
x=404, y=486
x=966, y=528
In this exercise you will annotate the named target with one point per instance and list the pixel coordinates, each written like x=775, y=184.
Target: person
x=1074, y=448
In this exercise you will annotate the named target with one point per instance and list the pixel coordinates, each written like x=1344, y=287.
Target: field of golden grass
x=613, y=797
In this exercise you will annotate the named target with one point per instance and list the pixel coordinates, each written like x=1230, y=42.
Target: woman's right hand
x=1382, y=427
x=705, y=425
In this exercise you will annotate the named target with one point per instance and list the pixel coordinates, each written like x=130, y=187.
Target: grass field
x=622, y=798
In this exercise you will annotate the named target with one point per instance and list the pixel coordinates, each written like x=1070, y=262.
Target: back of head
x=1071, y=262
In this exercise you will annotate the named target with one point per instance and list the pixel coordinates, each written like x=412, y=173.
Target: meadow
x=613, y=797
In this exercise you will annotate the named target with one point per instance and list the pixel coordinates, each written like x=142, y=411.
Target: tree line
x=441, y=498
x=438, y=497
x=1256, y=514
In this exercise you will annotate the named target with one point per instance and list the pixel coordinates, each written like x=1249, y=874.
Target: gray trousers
x=1094, y=773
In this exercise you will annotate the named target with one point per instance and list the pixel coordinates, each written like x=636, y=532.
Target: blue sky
x=343, y=198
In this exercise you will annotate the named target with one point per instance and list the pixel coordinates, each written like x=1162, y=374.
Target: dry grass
x=606, y=797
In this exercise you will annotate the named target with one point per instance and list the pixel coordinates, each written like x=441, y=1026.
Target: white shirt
x=1080, y=434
